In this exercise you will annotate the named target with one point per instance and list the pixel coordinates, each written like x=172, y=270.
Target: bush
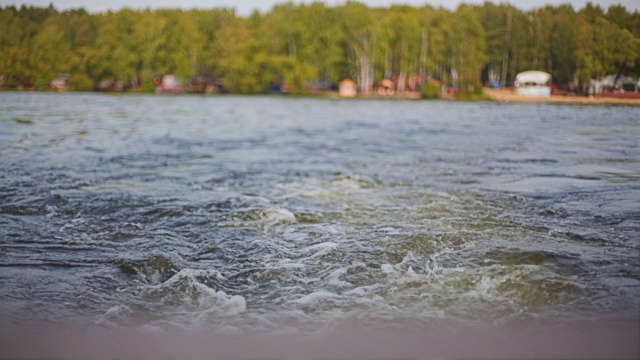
x=472, y=92
x=80, y=82
x=431, y=91
x=477, y=89
x=148, y=87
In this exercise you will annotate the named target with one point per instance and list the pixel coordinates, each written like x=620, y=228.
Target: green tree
x=180, y=48
x=563, y=46
x=209, y=23
x=400, y=42
x=466, y=50
x=358, y=25
x=115, y=57
x=50, y=54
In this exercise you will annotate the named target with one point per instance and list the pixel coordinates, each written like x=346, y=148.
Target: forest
x=312, y=47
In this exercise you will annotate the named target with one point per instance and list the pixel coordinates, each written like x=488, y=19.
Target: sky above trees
x=244, y=7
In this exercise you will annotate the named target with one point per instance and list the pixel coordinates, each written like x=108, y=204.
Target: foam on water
x=316, y=297
x=277, y=216
x=333, y=279
x=318, y=250
x=190, y=297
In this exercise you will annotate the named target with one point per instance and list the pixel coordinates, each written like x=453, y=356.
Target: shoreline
x=496, y=95
x=507, y=95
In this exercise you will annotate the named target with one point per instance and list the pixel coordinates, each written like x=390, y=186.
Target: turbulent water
x=243, y=213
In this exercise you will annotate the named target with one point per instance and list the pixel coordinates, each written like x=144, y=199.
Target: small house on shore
x=60, y=83
x=348, y=88
x=386, y=87
x=615, y=86
x=169, y=84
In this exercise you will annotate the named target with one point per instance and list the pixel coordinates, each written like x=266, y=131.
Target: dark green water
x=276, y=213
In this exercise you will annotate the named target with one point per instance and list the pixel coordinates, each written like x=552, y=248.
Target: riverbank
x=508, y=95
x=498, y=95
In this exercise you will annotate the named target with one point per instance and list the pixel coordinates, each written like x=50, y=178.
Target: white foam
x=315, y=297
x=410, y=273
x=230, y=304
x=202, y=296
x=191, y=274
x=361, y=291
x=483, y=286
x=333, y=278
x=388, y=269
x=114, y=314
x=288, y=264
x=118, y=310
x=251, y=200
x=353, y=183
x=319, y=249
x=51, y=211
x=315, y=193
x=274, y=216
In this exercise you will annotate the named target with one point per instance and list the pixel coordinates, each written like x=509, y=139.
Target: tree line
x=315, y=46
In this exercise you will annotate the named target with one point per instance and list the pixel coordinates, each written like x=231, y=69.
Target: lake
x=274, y=213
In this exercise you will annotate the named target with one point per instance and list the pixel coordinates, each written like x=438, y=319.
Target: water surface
x=243, y=213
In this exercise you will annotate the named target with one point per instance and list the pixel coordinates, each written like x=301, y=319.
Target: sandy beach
x=507, y=95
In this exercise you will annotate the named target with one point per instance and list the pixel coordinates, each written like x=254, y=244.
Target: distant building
x=110, y=86
x=348, y=88
x=615, y=86
x=170, y=84
x=60, y=83
x=386, y=87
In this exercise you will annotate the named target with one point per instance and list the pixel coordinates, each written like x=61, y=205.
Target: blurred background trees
x=312, y=47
